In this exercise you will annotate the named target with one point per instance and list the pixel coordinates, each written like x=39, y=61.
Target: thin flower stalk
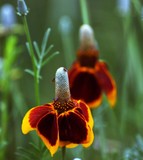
x=66, y=30
x=63, y=153
x=23, y=11
x=31, y=49
x=84, y=11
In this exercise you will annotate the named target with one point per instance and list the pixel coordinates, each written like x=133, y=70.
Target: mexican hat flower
x=89, y=76
x=65, y=122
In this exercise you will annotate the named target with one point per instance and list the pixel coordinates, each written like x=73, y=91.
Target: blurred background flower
x=123, y=6
x=8, y=21
x=8, y=16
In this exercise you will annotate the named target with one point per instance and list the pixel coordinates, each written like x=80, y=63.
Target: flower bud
x=22, y=8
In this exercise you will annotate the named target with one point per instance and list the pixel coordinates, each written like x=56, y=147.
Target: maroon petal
x=85, y=86
x=84, y=111
x=48, y=128
x=72, y=128
x=33, y=116
x=37, y=113
x=106, y=82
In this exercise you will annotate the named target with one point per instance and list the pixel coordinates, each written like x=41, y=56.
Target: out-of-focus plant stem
x=84, y=11
x=63, y=153
x=133, y=70
x=36, y=78
x=65, y=28
x=10, y=51
x=4, y=126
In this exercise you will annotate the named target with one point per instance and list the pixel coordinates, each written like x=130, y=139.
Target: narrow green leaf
x=48, y=49
x=34, y=146
x=26, y=157
x=45, y=40
x=28, y=47
x=32, y=73
x=34, y=58
x=28, y=153
x=36, y=48
x=49, y=58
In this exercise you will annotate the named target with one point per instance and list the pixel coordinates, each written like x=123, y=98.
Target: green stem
x=65, y=27
x=3, y=127
x=84, y=11
x=63, y=152
x=36, y=78
x=103, y=140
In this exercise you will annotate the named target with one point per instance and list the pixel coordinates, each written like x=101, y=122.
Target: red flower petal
x=106, y=81
x=37, y=113
x=33, y=116
x=84, y=85
x=72, y=128
x=48, y=131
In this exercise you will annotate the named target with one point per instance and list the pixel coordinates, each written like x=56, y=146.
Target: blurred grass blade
x=66, y=31
x=137, y=6
x=11, y=51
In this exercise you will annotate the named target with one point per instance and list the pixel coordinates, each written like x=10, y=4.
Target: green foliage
x=11, y=52
x=33, y=152
x=41, y=59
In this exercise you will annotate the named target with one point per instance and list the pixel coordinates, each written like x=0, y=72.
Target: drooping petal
x=48, y=131
x=90, y=137
x=84, y=85
x=106, y=81
x=85, y=112
x=33, y=116
x=72, y=129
